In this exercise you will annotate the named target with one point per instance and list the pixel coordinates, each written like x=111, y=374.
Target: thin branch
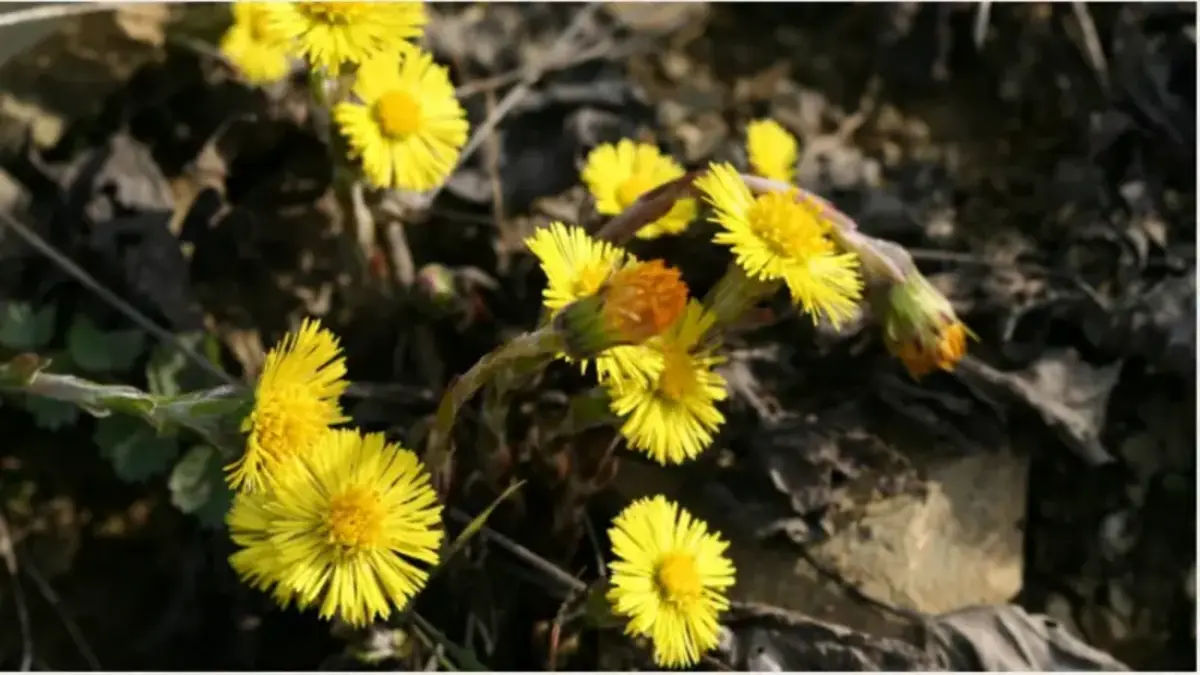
x=513, y=97
x=88, y=281
x=68, y=623
x=982, y=14
x=603, y=49
x=48, y=12
x=10, y=564
x=1091, y=43
x=554, y=571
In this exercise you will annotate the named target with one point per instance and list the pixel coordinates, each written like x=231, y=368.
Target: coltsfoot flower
x=329, y=34
x=921, y=329
x=774, y=237
x=408, y=127
x=577, y=266
x=295, y=403
x=252, y=47
x=672, y=417
x=636, y=303
x=669, y=579
x=351, y=528
x=772, y=150
x=617, y=175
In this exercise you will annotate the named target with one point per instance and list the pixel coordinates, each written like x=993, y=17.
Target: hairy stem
x=522, y=351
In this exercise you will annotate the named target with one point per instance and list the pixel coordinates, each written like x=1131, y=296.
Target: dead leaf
x=1067, y=393
x=144, y=22
x=764, y=638
x=1005, y=638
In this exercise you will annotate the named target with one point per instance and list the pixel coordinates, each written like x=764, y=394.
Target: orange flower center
x=331, y=13
x=635, y=186
x=355, y=519
x=946, y=350
x=678, y=579
x=398, y=114
x=678, y=379
x=644, y=299
x=789, y=230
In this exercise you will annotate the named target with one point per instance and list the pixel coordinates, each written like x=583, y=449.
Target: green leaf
x=170, y=373
x=51, y=414
x=136, y=450
x=98, y=351
x=197, y=485
x=25, y=329
x=478, y=522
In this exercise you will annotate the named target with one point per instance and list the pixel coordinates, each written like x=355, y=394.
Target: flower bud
x=636, y=303
x=921, y=329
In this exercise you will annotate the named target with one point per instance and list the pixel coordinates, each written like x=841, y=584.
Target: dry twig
x=519, y=92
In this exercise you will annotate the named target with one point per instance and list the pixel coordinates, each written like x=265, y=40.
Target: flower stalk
x=530, y=351
x=734, y=294
x=212, y=413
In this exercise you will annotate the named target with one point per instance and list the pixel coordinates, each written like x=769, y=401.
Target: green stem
x=734, y=294
x=211, y=413
x=524, y=350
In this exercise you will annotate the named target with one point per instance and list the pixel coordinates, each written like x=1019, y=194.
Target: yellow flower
x=256, y=561
x=250, y=45
x=669, y=579
x=772, y=150
x=575, y=264
x=617, y=175
x=345, y=528
x=408, y=128
x=329, y=34
x=775, y=237
x=672, y=417
x=295, y=402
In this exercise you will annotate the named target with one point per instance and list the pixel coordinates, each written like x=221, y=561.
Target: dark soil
x=1048, y=187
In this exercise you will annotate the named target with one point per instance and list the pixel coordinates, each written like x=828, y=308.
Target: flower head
x=772, y=150
x=256, y=561
x=921, y=329
x=617, y=175
x=643, y=299
x=253, y=47
x=408, y=128
x=345, y=528
x=775, y=237
x=329, y=34
x=575, y=264
x=669, y=579
x=636, y=303
x=295, y=402
x=672, y=416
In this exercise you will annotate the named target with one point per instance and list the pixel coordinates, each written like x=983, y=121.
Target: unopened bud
x=635, y=304
x=921, y=329
x=436, y=283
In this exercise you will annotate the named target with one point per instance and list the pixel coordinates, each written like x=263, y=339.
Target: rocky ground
x=1038, y=161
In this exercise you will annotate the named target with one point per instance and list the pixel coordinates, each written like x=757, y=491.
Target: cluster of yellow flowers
x=327, y=517
x=775, y=237
x=666, y=389
x=672, y=573
x=400, y=116
x=349, y=523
